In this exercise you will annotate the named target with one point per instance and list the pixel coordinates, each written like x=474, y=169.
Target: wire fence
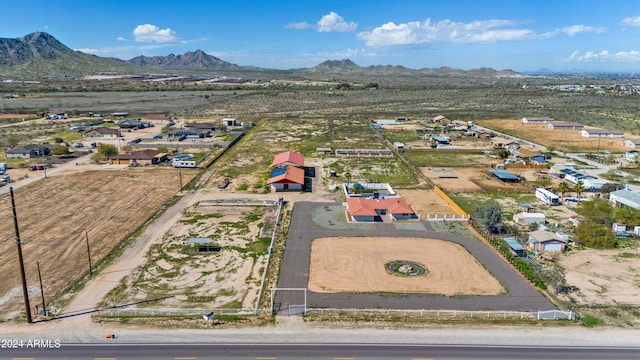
x=176, y=312
x=423, y=313
x=445, y=314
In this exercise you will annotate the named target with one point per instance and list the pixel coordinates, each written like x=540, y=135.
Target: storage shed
x=516, y=249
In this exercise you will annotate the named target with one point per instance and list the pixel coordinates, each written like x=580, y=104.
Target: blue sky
x=518, y=35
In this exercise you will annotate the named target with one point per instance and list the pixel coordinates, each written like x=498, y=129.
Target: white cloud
x=631, y=21
x=576, y=29
x=298, y=26
x=445, y=31
x=328, y=23
x=120, y=38
x=604, y=55
x=152, y=33
x=89, y=51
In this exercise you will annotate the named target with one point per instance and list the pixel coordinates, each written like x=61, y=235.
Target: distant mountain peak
x=337, y=64
x=192, y=60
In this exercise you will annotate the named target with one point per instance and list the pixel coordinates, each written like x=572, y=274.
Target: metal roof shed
x=505, y=176
x=516, y=248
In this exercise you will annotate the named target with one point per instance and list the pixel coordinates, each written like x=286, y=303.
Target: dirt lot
x=540, y=134
x=424, y=202
x=184, y=276
x=473, y=179
x=54, y=213
x=344, y=264
x=603, y=277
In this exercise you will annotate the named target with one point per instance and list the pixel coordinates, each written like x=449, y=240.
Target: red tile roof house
x=288, y=158
x=286, y=178
x=363, y=209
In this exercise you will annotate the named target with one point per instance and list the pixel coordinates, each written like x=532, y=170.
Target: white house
x=528, y=218
x=619, y=227
x=632, y=143
x=631, y=155
x=625, y=197
x=596, y=133
x=537, y=120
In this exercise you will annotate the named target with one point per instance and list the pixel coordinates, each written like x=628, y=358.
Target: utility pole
x=25, y=290
x=44, y=164
x=86, y=236
x=44, y=308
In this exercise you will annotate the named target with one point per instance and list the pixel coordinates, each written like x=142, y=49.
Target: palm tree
x=563, y=187
x=579, y=189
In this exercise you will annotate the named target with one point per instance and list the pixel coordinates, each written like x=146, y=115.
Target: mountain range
x=40, y=54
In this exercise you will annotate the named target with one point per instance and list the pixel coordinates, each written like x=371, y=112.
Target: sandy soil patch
x=425, y=202
x=343, y=264
x=454, y=179
x=558, y=139
x=603, y=277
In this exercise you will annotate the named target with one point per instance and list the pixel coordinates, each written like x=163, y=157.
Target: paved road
x=38, y=175
x=318, y=351
x=294, y=271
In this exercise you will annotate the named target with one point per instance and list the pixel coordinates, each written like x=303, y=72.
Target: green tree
x=60, y=150
x=107, y=150
x=543, y=182
x=563, y=187
x=597, y=210
x=579, y=188
x=58, y=140
x=491, y=217
x=594, y=235
x=628, y=215
x=503, y=153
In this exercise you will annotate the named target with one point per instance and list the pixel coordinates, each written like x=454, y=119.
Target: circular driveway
x=311, y=220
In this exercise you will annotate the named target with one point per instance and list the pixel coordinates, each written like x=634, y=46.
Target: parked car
x=79, y=145
x=158, y=137
x=5, y=178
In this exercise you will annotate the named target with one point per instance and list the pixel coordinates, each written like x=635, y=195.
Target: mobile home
x=547, y=196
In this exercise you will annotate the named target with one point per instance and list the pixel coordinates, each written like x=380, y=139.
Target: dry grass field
x=54, y=213
x=603, y=277
x=343, y=264
x=183, y=276
x=540, y=134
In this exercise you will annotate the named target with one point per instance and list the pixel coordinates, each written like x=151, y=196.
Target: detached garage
x=542, y=241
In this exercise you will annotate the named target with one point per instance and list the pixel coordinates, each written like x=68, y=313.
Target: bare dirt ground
x=55, y=212
x=343, y=264
x=185, y=277
x=424, y=202
x=540, y=134
x=454, y=179
x=603, y=277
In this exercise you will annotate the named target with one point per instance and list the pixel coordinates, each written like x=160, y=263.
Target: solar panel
x=278, y=171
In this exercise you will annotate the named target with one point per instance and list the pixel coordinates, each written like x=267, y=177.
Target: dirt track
x=343, y=264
